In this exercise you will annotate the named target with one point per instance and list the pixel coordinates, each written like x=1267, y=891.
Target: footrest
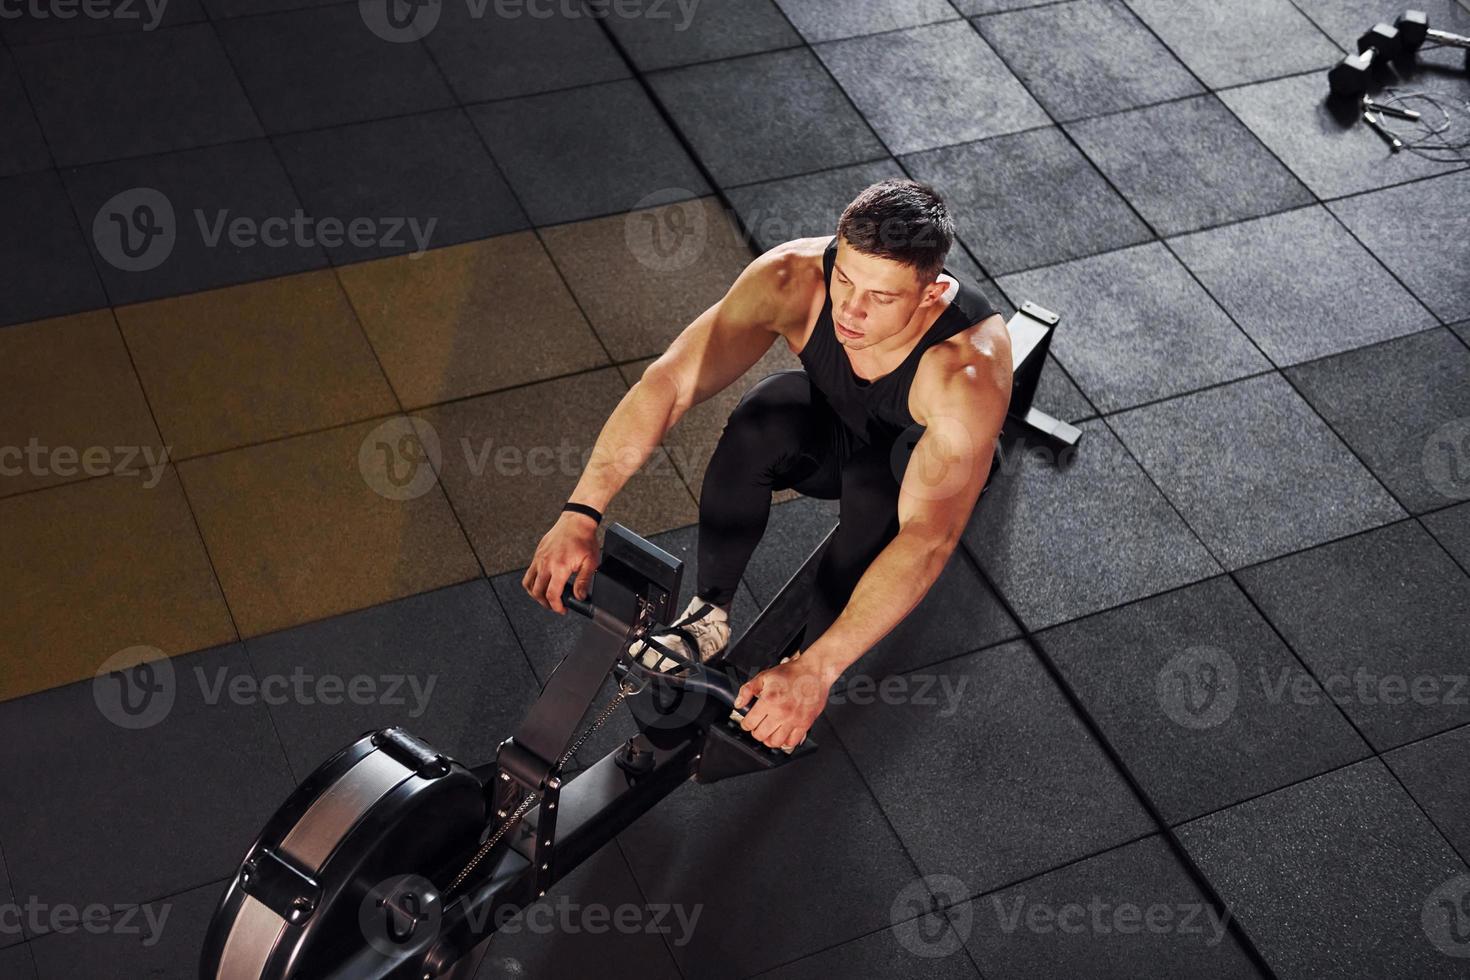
x=728, y=751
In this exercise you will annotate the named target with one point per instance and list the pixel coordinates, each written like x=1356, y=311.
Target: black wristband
x=591, y=512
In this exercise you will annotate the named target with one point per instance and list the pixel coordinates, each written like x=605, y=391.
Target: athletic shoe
x=699, y=634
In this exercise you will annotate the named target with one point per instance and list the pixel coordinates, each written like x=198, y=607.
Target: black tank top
x=877, y=410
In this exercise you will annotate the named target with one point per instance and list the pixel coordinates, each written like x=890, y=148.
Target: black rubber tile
x=1037, y=534
x=1130, y=914
x=16, y=963
x=225, y=9
x=1331, y=874
x=1418, y=231
x=444, y=665
x=766, y=116
x=975, y=7
x=162, y=940
x=996, y=782
x=320, y=67
x=11, y=931
x=828, y=20
x=1187, y=687
x=37, y=22
x=794, y=531
x=1227, y=44
x=586, y=152
x=1324, y=142
x=94, y=104
x=931, y=86
x=188, y=775
x=771, y=855
x=208, y=209
x=1345, y=20
x=920, y=947
x=1254, y=470
x=1434, y=773
x=24, y=149
x=1058, y=397
x=422, y=181
x=1188, y=164
x=47, y=269
x=1381, y=620
x=1028, y=199
x=1463, y=330
x=1300, y=285
x=1403, y=408
x=485, y=56
x=1087, y=57
x=1452, y=527
x=724, y=30
x=1137, y=327
x=805, y=206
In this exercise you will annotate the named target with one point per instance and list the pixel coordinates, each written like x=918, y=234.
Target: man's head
x=892, y=242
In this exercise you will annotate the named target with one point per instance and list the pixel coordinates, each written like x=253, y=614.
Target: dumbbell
x=1351, y=75
x=1413, y=27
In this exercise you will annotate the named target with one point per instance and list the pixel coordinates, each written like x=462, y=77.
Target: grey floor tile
x=724, y=30
x=1028, y=199
x=48, y=271
x=24, y=149
x=1088, y=920
x=1331, y=874
x=94, y=104
x=972, y=8
x=1301, y=285
x=36, y=23
x=225, y=9
x=1323, y=142
x=1463, y=330
x=488, y=56
x=805, y=206
x=1058, y=397
x=1380, y=619
x=788, y=835
x=1452, y=527
x=586, y=152
x=765, y=117
x=160, y=941
x=998, y=782
x=1254, y=470
x=1345, y=20
x=828, y=20
x=196, y=730
x=1188, y=164
x=1136, y=327
x=16, y=963
x=322, y=66
x=422, y=181
x=1189, y=687
x=919, y=947
x=445, y=665
x=198, y=200
x=931, y=86
x=1424, y=244
x=1226, y=44
x=793, y=532
x=1434, y=773
x=1404, y=408
x=12, y=931
x=1036, y=536
x=1087, y=57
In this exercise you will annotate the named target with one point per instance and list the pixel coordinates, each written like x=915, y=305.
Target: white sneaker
x=699, y=634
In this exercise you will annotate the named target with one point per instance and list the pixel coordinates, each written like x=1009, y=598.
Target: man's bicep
x=949, y=464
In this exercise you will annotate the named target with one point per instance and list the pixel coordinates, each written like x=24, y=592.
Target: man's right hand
x=568, y=549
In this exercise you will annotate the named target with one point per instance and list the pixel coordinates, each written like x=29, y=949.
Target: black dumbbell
x=1351, y=75
x=1413, y=27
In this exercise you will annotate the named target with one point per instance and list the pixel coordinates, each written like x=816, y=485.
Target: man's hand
x=789, y=696
x=569, y=548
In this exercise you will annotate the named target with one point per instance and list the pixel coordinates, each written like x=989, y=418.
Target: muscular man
x=891, y=346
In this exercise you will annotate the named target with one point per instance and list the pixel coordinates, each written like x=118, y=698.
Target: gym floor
x=1107, y=750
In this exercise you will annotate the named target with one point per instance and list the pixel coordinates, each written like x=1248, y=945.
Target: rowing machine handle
x=570, y=600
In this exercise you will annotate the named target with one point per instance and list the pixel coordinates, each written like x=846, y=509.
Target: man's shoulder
x=796, y=264
x=973, y=366
x=784, y=282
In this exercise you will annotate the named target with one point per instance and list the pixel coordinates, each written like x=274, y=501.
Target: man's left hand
x=789, y=697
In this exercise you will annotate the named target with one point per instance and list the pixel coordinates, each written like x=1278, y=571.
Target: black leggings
x=782, y=434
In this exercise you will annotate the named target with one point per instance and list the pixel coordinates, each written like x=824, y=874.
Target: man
x=890, y=345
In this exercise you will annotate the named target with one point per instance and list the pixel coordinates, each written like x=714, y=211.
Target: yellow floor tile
x=230, y=367
x=470, y=319
x=70, y=405
x=301, y=529
x=92, y=568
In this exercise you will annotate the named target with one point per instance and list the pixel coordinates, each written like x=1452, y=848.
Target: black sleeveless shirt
x=877, y=410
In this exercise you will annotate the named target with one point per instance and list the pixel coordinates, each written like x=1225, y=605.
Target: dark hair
x=903, y=220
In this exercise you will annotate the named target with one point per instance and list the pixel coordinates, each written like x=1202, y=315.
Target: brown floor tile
x=508, y=493
x=643, y=276
x=298, y=533
x=67, y=384
x=229, y=367
x=470, y=319
x=92, y=568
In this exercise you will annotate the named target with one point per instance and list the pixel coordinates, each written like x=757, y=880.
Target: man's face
x=874, y=298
